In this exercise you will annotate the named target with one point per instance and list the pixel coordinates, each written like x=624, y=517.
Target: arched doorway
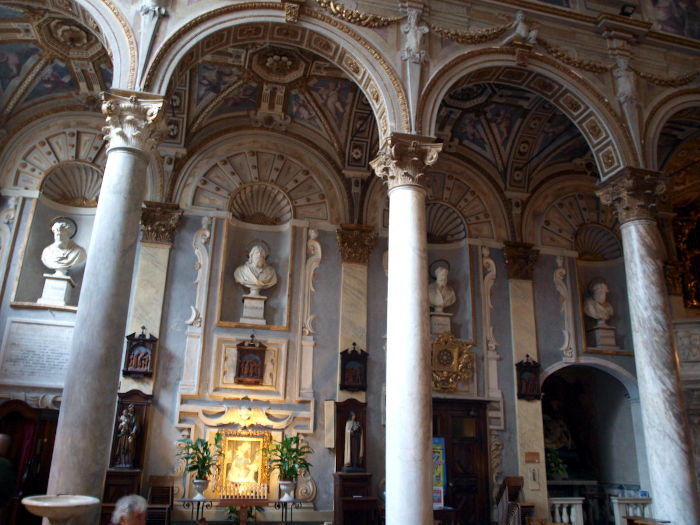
x=590, y=441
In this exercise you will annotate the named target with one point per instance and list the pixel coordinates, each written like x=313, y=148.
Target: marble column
x=520, y=263
x=674, y=491
x=86, y=419
x=355, y=242
x=401, y=163
x=159, y=220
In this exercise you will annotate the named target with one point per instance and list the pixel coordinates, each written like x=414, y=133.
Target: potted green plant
x=288, y=457
x=556, y=466
x=201, y=458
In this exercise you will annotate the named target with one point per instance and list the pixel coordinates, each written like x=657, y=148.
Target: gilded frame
x=247, y=448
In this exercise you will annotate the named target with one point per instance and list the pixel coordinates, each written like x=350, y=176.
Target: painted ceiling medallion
x=68, y=39
x=73, y=184
x=275, y=64
x=260, y=203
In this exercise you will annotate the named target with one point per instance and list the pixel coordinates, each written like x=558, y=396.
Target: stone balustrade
x=630, y=507
x=567, y=510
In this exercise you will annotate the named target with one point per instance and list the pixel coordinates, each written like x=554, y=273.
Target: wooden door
x=463, y=426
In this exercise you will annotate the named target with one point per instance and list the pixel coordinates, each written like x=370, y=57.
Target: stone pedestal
x=254, y=309
x=602, y=337
x=56, y=289
x=440, y=323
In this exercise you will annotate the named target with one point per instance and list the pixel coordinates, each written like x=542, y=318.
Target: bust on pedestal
x=441, y=295
x=60, y=256
x=255, y=274
x=596, y=306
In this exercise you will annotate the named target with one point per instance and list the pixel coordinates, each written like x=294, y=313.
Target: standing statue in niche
x=441, y=294
x=596, y=304
x=354, y=450
x=126, y=437
x=256, y=274
x=63, y=254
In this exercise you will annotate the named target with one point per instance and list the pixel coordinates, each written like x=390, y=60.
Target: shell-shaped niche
x=261, y=203
x=220, y=186
x=65, y=146
x=73, y=184
x=597, y=243
x=565, y=216
x=444, y=224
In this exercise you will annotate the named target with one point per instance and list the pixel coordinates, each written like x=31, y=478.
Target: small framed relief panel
x=250, y=362
x=353, y=369
x=255, y=276
x=140, y=354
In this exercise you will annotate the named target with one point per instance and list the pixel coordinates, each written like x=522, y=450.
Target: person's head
x=257, y=256
x=441, y=275
x=61, y=231
x=598, y=289
x=130, y=510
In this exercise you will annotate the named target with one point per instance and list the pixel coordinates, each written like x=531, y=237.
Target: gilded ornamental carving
x=355, y=242
x=159, y=221
x=453, y=363
x=520, y=260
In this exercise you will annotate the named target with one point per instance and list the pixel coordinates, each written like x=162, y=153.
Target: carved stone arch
x=610, y=368
x=661, y=111
x=452, y=183
x=54, y=140
x=213, y=175
x=118, y=36
x=586, y=107
x=554, y=215
x=315, y=32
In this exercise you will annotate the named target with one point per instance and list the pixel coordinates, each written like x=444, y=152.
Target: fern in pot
x=289, y=458
x=201, y=458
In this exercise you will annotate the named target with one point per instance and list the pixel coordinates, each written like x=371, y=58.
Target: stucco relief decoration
x=633, y=193
x=472, y=37
x=688, y=342
x=454, y=365
x=243, y=416
x=355, y=243
x=355, y=17
x=132, y=121
x=413, y=34
x=313, y=250
x=403, y=159
x=160, y=221
x=560, y=283
x=201, y=239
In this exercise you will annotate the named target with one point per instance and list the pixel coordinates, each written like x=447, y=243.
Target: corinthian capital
x=355, y=242
x=633, y=192
x=134, y=120
x=403, y=158
x=159, y=221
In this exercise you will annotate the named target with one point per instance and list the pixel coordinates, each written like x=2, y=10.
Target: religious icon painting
x=528, y=374
x=140, y=354
x=250, y=364
x=353, y=369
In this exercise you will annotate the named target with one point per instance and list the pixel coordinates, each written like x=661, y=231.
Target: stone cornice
x=403, y=158
x=159, y=221
x=355, y=242
x=633, y=192
x=134, y=120
x=520, y=260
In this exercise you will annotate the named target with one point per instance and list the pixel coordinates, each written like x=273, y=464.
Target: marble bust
x=441, y=294
x=255, y=273
x=596, y=304
x=63, y=254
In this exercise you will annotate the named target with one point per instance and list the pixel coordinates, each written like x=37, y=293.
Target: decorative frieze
x=520, y=260
x=159, y=221
x=134, y=120
x=633, y=192
x=403, y=158
x=355, y=242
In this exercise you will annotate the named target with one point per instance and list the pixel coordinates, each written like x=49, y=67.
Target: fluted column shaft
x=673, y=483
x=86, y=419
x=401, y=162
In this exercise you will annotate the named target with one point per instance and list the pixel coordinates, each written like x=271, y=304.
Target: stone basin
x=59, y=509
